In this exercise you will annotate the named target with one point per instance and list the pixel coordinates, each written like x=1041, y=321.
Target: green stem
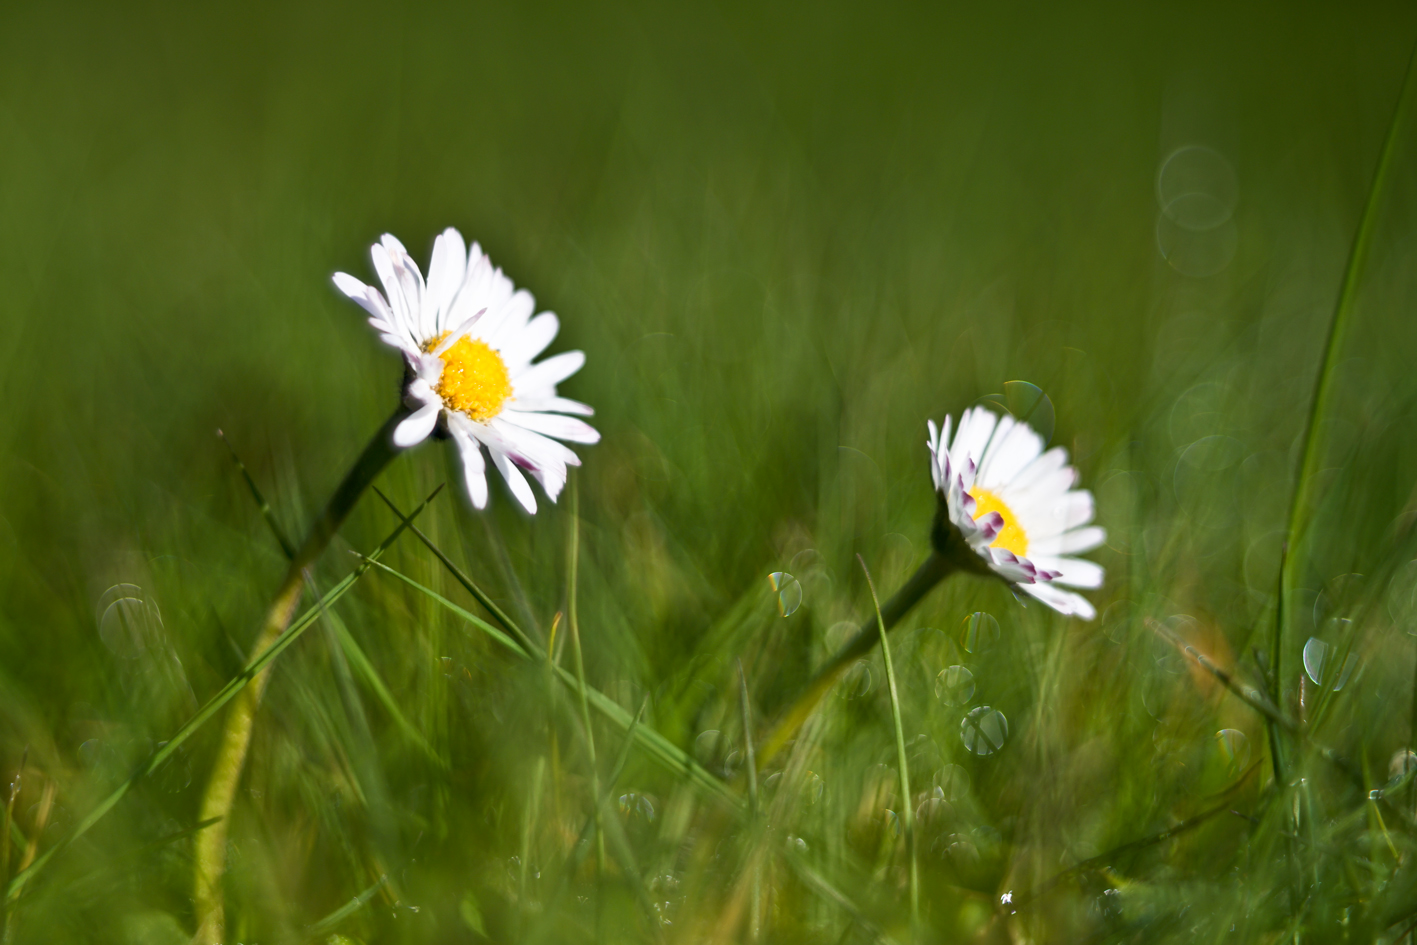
x=1299, y=511
x=210, y=854
x=907, y=815
x=214, y=705
x=931, y=572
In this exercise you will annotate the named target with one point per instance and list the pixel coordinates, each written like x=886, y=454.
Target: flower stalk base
x=236, y=737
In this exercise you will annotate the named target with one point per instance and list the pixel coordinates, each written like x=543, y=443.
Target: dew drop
x=954, y=685
x=1403, y=763
x=789, y=592
x=128, y=624
x=979, y=632
x=953, y=782
x=1234, y=748
x=856, y=681
x=1318, y=660
x=636, y=805
x=984, y=730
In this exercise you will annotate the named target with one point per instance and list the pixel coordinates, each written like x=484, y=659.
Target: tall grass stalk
x=210, y=854
x=907, y=815
x=931, y=572
x=212, y=707
x=1300, y=513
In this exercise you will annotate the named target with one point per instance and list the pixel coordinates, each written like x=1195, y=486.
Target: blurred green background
x=784, y=238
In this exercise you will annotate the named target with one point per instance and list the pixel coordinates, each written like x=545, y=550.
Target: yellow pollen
x=474, y=378
x=1011, y=537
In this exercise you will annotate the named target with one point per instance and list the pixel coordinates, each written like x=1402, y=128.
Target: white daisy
x=1013, y=505
x=469, y=338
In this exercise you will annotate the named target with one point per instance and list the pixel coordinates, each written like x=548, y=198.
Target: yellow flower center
x=474, y=378
x=1011, y=537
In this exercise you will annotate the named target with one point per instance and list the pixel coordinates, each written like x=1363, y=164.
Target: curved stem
x=931, y=572
x=1299, y=512
x=236, y=738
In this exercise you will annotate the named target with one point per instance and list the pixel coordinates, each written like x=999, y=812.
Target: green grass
x=784, y=240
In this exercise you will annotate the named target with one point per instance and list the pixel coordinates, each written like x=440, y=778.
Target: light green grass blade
x=214, y=704
x=658, y=747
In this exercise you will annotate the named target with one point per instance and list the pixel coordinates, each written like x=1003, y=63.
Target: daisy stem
x=931, y=572
x=1300, y=512
x=220, y=794
x=907, y=815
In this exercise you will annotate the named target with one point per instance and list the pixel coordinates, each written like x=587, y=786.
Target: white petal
x=515, y=480
x=562, y=428
x=546, y=375
x=1072, y=510
x=1011, y=451
x=458, y=332
x=416, y=427
x=400, y=342
x=975, y=428
x=1074, y=572
x=521, y=348
x=446, y=270
x=552, y=404
x=393, y=289
x=1043, y=466
x=532, y=450
x=1074, y=542
x=1064, y=602
x=473, y=466
x=505, y=316
x=368, y=297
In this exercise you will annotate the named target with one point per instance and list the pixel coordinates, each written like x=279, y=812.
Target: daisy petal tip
x=416, y=427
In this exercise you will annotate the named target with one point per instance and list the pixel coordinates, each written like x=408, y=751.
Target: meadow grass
x=785, y=239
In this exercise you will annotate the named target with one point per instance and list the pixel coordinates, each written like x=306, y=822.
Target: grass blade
x=214, y=704
x=907, y=814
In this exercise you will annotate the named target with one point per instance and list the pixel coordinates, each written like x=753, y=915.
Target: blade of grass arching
x=1300, y=501
x=468, y=584
x=352, y=651
x=660, y=748
x=214, y=704
x=827, y=890
x=907, y=814
x=76, y=887
x=1254, y=700
x=465, y=614
x=261, y=502
x=329, y=922
x=361, y=664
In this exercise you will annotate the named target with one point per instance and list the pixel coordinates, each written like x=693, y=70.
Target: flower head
x=1013, y=506
x=468, y=337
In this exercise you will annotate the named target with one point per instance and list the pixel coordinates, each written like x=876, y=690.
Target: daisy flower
x=469, y=338
x=1014, y=506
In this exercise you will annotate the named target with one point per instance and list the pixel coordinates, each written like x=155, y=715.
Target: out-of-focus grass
x=784, y=239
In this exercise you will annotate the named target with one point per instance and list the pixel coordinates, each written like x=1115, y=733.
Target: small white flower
x=469, y=338
x=1014, y=506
